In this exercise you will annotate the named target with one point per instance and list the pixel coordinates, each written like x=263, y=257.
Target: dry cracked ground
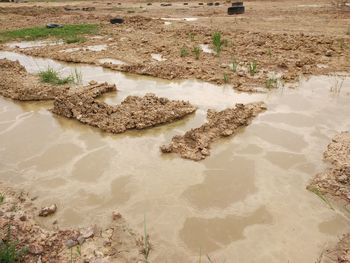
x=273, y=40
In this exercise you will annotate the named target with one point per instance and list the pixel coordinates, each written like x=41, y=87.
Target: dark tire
x=53, y=25
x=200, y=4
x=235, y=10
x=185, y=3
x=237, y=4
x=117, y=21
x=149, y=3
x=217, y=4
x=210, y=4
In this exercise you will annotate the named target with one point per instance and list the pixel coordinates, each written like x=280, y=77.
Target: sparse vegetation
x=217, y=42
x=234, y=65
x=183, y=52
x=319, y=259
x=226, y=79
x=2, y=198
x=253, y=68
x=75, y=255
x=191, y=36
x=146, y=243
x=9, y=253
x=197, y=51
x=271, y=83
x=74, y=39
x=33, y=33
x=317, y=192
x=52, y=76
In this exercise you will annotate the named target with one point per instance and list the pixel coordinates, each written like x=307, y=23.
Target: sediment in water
x=195, y=144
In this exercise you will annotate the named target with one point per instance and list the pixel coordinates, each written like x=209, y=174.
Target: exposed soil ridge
x=133, y=113
x=195, y=143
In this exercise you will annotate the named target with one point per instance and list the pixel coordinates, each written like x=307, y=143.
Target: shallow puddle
x=158, y=57
x=32, y=44
x=206, y=48
x=246, y=202
x=188, y=19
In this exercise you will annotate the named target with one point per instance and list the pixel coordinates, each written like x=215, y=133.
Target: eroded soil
x=334, y=182
x=133, y=113
x=18, y=214
x=195, y=144
x=16, y=83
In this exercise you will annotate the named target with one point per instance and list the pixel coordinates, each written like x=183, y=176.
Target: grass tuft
x=197, y=51
x=52, y=76
x=67, y=32
x=217, y=42
x=271, y=83
x=183, y=52
x=317, y=192
x=9, y=253
x=253, y=68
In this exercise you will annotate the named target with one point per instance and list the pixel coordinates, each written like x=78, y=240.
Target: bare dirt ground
x=284, y=38
x=195, y=144
x=334, y=183
x=116, y=243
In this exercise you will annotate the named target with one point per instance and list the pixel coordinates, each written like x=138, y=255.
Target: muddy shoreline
x=334, y=183
x=18, y=217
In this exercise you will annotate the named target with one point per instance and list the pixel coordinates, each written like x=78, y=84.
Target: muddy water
x=245, y=203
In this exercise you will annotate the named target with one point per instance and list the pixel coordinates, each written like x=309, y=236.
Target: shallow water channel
x=247, y=202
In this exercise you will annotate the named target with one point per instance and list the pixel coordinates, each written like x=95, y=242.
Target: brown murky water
x=247, y=202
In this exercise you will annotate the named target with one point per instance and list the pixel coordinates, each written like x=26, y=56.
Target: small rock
x=49, y=210
x=81, y=240
x=87, y=233
x=329, y=53
x=92, y=82
x=35, y=249
x=23, y=218
x=116, y=215
x=71, y=243
x=98, y=254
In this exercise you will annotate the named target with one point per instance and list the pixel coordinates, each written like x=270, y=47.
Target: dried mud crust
x=133, y=113
x=335, y=181
x=116, y=243
x=195, y=144
x=16, y=83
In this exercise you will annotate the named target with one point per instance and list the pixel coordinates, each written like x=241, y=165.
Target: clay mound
x=133, y=113
x=335, y=181
x=195, y=144
x=17, y=84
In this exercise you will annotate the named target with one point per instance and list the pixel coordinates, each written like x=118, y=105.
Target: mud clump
x=195, y=144
x=335, y=181
x=16, y=83
x=133, y=113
